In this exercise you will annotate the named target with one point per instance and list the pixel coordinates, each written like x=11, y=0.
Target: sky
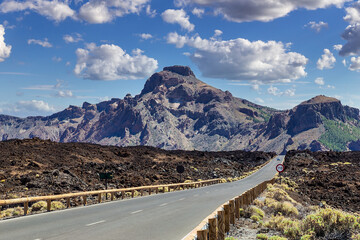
x=276, y=53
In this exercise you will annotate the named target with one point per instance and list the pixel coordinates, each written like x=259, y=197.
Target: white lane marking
x=90, y=224
x=181, y=199
x=37, y=239
x=137, y=211
x=164, y=204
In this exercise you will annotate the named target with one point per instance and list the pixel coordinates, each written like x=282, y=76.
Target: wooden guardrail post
x=232, y=211
x=67, y=202
x=149, y=191
x=122, y=194
x=202, y=235
x=227, y=217
x=26, y=207
x=84, y=200
x=99, y=198
x=141, y=192
x=157, y=190
x=212, y=229
x=48, y=205
x=112, y=196
x=237, y=207
x=132, y=193
x=221, y=225
x=248, y=201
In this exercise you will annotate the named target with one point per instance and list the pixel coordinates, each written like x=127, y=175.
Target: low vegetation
x=277, y=211
x=338, y=134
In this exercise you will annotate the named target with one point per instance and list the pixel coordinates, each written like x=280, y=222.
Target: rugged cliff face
x=319, y=124
x=175, y=110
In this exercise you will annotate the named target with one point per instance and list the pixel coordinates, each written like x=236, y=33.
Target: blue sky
x=275, y=53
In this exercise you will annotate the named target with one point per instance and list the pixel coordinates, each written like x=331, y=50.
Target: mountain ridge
x=175, y=110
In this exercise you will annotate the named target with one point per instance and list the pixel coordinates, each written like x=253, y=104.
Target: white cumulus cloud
x=217, y=33
x=146, y=36
x=74, y=38
x=241, y=59
x=355, y=64
x=352, y=31
x=99, y=11
x=276, y=92
x=317, y=26
x=199, y=12
x=5, y=49
x=273, y=91
x=178, y=16
x=256, y=10
x=111, y=62
x=320, y=81
x=259, y=100
x=151, y=13
x=64, y=93
x=45, y=43
x=33, y=106
x=337, y=47
x=327, y=60
x=56, y=10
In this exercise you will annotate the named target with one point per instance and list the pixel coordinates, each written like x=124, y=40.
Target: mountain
x=175, y=110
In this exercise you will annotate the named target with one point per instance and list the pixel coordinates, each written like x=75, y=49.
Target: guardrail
x=99, y=193
x=217, y=224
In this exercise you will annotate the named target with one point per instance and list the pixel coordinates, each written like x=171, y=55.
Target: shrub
x=259, y=203
x=18, y=211
x=262, y=236
x=255, y=218
x=242, y=212
x=355, y=236
x=256, y=211
x=8, y=212
x=329, y=221
x=290, y=228
x=286, y=208
x=12, y=212
x=39, y=206
x=223, y=180
x=307, y=237
x=278, y=194
x=56, y=205
x=277, y=238
x=12, y=196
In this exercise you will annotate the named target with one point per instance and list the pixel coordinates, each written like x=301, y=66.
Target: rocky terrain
x=332, y=177
x=36, y=167
x=175, y=110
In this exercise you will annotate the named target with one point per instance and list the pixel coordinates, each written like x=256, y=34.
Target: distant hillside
x=175, y=110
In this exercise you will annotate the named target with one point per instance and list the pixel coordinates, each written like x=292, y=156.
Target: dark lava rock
x=182, y=70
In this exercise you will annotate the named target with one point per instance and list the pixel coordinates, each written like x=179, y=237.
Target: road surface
x=167, y=216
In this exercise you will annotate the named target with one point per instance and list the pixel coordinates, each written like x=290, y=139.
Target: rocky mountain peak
x=309, y=114
x=181, y=70
x=320, y=99
x=171, y=77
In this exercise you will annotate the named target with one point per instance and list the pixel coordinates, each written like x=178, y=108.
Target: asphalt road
x=167, y=216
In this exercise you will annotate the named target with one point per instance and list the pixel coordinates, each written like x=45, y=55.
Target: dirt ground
x=34, y=167
x=333, y=177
